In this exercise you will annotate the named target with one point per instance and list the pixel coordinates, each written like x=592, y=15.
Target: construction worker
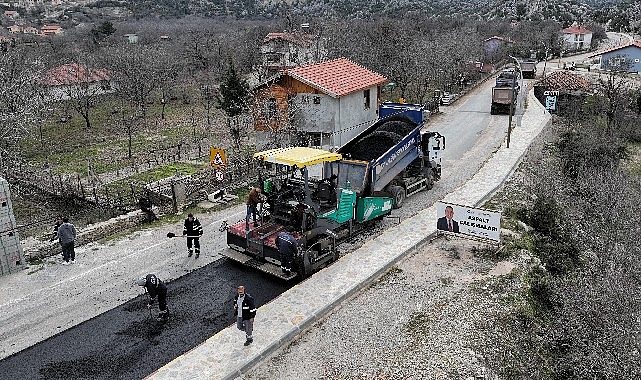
x=155, y=288
x=193, y=230
x=288, y=248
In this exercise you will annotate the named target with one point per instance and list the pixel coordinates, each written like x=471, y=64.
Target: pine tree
x=234, y=92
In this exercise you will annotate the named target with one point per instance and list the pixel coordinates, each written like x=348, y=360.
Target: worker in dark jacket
x=193, y=230
x=155, y=288
x=254, y=198
x=66, y=237
x=288, y=249
x=245, y=310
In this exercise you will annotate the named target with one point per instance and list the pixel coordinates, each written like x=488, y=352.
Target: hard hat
x=141, y=281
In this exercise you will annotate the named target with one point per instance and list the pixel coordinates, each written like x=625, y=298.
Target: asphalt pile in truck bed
x=381, y=140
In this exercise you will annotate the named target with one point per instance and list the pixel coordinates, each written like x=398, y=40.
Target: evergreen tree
x=234, y=92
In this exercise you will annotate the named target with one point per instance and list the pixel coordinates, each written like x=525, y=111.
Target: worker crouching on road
x=155, y=288
x=193, y=230
x=288, y=248
x=245, y=310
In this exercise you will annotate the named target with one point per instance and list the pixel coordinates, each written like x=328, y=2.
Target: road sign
x=217, y=158
x=550, y=103
x=220, y=175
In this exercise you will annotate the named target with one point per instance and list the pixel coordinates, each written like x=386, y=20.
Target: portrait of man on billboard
x=447, y=222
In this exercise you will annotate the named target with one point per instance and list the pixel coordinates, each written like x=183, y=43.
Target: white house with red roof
x=282, y=50
x=576, y=37
x=621, y=58
x=328, y=102
x=68, y=80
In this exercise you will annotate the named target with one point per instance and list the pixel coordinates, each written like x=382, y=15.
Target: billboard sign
x=466, y=220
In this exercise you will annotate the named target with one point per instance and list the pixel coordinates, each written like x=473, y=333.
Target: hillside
x=623, y=15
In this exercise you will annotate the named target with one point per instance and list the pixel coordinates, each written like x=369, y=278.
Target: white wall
x=344, y=117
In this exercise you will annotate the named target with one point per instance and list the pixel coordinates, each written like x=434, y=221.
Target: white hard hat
x=141, y=281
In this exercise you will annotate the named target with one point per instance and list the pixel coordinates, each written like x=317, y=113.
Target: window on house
x=304, y=99
x=366, y=98
x=316, y=99
x=269, y=108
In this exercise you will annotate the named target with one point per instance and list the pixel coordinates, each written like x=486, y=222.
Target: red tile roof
x=564, y=80
x=637, y=44
x=72, y=74
x=576, y=29
x=338, y=77
x=299, y=39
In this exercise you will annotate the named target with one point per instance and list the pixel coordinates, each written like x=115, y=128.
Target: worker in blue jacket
x=288, y=249
x=155, y=288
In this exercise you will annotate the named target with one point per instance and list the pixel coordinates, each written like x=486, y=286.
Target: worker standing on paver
x=245, y=309
x=288, y=248
x=193, y=230
x=155, y=288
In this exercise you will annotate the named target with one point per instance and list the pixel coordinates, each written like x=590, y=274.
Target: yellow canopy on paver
x=297, y=156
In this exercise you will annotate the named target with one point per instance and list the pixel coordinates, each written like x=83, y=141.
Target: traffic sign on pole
x=217, y=158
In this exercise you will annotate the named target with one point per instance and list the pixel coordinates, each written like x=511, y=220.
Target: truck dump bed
x=388, y=147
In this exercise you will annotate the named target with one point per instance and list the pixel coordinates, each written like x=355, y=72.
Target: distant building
x=51, y=30
x=622, y=58
x=558, y=89
x=493, y=48
x=12, y=15
x=132, y=38
x=329, y=102
x=576, y=38
x=282, y=50
x=62, y=79
x=15, y=29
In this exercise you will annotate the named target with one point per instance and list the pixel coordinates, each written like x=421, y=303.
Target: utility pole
x=513, y=100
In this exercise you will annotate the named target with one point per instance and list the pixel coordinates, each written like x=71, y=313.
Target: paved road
x=50, y=299
x=126, y=343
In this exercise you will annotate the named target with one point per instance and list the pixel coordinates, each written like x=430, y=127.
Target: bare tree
x=21, y=102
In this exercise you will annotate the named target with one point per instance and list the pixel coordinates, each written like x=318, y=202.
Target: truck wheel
x=429, y=180
x=398, y=194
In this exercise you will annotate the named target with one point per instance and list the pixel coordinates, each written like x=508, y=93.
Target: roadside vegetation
x=575, y=203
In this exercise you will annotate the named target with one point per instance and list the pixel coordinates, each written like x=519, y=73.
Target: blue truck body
x=411, y=160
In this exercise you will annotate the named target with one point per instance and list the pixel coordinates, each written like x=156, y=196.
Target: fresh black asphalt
x=128, y=343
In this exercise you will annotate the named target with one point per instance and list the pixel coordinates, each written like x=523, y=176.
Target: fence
x=95, y=190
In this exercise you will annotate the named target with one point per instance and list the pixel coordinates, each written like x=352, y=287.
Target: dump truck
x=508, y=78
x=321, y=198
x=528, y=68
x=502, y=98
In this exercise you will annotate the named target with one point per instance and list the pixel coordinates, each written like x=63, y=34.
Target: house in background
x=560, y=90
x=326, y=103
x=73, y=79
x=622, y=58
x=493, y=47
x=280, y=51
x=576, y=38
x=132, y=38
x=50, y=30
x=15, y=29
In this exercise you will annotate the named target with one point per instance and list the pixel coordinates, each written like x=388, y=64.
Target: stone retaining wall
x=88, y=234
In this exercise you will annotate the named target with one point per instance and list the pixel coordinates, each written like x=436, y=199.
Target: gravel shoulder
x=415, y=322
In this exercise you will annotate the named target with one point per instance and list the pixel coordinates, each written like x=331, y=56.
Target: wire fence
x=101, y=191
